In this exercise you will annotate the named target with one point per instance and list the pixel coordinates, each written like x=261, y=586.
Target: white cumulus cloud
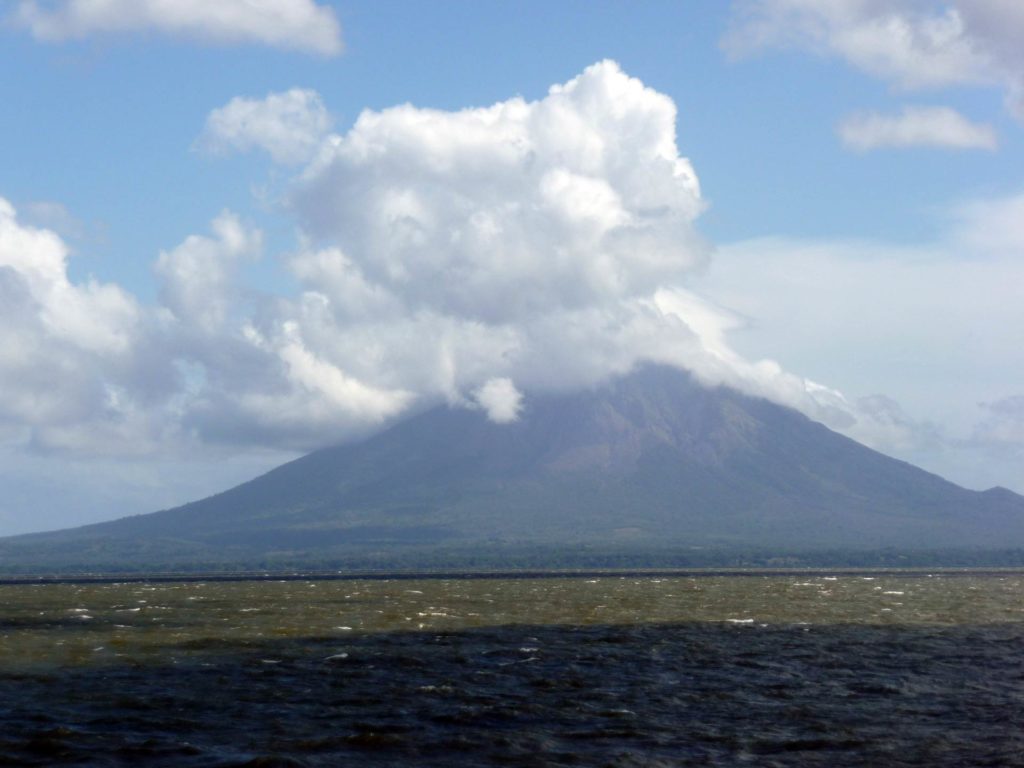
x=293, y=24
x=199, y=276
x=248, y=375
x=442, y=257
x=95, y=317
x=545, y=242
x=915, y=126
x=505, y=212
x=289, y=126
x=69, y=353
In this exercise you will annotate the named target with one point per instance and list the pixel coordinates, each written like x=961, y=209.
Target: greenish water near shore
x=130, y=621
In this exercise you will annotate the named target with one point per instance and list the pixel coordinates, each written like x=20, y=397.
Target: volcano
x=652, y=461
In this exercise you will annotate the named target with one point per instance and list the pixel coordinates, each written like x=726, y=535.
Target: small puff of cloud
x=500, y=399
x=915, y=126
x=292, y=24
x=289, y=126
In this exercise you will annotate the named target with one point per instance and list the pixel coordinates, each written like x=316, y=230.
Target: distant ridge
x=652, y=461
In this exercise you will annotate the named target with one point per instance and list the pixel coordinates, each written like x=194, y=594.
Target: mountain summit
x=652, y=459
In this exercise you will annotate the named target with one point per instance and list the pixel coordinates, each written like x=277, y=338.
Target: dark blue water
x=165, y=687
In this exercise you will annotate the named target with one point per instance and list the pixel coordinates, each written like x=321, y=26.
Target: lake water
x=763, y=670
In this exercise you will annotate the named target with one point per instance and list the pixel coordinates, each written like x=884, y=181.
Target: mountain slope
x=652, y=459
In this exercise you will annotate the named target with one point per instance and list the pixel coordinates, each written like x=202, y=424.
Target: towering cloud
x=545, y=242
x=467, y=257
x=503, y=213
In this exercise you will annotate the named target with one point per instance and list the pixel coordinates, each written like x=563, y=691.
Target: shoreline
x=455, y=574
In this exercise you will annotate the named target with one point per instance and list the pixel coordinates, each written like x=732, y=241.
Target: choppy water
x=647, y=671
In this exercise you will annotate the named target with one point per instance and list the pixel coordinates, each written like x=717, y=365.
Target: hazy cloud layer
x=293, y=24
x=472, y=257
x=915, y=126
x=944, y=319
x=289, y=126
x=913, y=44
x=991, y=227
x=1003, y=425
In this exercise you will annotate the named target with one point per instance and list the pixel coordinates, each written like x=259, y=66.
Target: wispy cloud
x=912, y=44
x=991, y=226
x=915, y=126
x=300, y=25
x=1004, y=424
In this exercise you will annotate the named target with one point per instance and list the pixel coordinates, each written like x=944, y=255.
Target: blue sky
x=855, y=248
